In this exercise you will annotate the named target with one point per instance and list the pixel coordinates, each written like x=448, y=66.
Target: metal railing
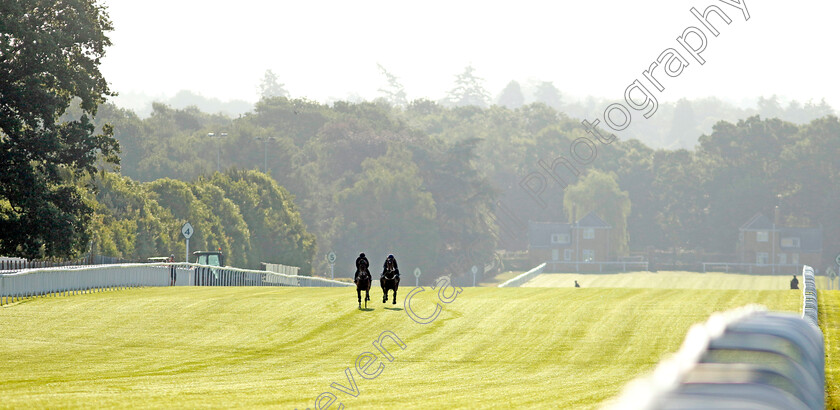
x=71, y=280
x=519, y=280
x=279, y=268
x=737, y=267
x=590, y=266
x=809, y=296
x=743, y=358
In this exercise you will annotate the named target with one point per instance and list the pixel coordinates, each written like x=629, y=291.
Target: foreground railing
x=809, y=296
x=744, y=358
x=72, y=280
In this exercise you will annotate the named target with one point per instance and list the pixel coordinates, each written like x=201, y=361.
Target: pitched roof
x=593, y=221
x=810, y=239
x=539, y=233
x=758, y=222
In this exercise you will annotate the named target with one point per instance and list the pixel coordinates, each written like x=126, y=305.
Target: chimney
x=574, y=219
x=776, y=216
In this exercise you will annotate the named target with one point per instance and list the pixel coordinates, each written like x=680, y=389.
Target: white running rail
x=519, y=280
x=809, y=296
x=71, y=280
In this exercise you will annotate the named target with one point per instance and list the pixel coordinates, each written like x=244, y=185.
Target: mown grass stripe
x=220, y=347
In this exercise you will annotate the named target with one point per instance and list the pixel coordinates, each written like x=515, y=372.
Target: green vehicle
x=208, y=276
x=211, y=258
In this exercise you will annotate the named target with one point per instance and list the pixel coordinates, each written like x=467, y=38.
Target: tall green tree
x=548, y=94
x=683, y=123
x=270, y=86
x=740, y=173
x=469, y=90
x=599, y=192
x=812, y=176
x=388, y=211
x=679, y=198
x=394, y=92
x=128, y=222
x=278, y=234
x=464, y=199
x=512, y=97
x=179, y=199
x=236, y=232
x=636, y=176
x=49, y=55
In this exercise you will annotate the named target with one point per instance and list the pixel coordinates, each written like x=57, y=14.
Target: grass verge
x=829, y=315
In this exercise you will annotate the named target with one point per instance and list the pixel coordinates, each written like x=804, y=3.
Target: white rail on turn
x=519, y=280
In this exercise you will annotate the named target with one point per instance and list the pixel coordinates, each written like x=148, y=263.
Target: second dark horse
x=390, y=279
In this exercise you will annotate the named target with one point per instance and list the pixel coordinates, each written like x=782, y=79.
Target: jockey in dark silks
x=393, y=261
x=362, y=265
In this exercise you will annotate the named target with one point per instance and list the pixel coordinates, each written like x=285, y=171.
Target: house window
x=559, y=238
x=555, y=254
x=782, y=259
x=589, y=233
x=790, y=242
x=567, y=255
x=761, y=258
x=588, y=255
x=794, y=258
x=761, y=236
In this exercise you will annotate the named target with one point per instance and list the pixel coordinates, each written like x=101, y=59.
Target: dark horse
x=363, y=281
x=390, y=278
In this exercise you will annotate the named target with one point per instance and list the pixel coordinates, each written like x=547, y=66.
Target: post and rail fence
x=71, y=280
x=753, y=268
x=584, y=267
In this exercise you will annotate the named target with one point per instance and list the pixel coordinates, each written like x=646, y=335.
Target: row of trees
x=244, y=213
x=364, y=179
x=435, y=183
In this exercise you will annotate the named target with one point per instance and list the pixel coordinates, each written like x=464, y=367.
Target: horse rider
x=392, y=260
x=361, y=266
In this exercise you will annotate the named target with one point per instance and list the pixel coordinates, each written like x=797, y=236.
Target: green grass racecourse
x=668, y=280
x=829, y=310
x=282, y=347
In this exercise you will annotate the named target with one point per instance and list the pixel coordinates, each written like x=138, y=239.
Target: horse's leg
x=384, y=290
x=359, y=295
x=396, y=286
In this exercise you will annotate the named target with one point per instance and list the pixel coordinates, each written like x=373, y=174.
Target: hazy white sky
x=329, y=49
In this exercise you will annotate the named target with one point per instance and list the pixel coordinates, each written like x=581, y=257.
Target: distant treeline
x=436, y=185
